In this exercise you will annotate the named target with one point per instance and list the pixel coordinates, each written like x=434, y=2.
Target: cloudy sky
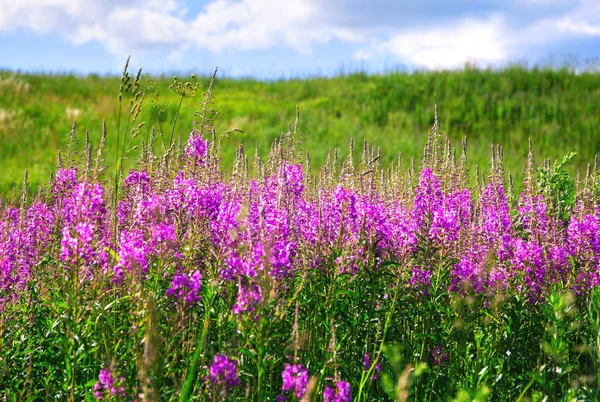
x=277, y=38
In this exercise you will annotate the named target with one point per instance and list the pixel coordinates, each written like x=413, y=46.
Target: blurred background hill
x=557, y=108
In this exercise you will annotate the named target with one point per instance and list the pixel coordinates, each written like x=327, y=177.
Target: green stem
x=175, y=121
x=117, y=168
x=191, y=376
x=388, y=318
x=160, y=128
x=149, y=127
x=259, y=387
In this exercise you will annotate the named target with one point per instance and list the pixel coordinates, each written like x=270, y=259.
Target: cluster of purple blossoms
x=294, y=180
x=270, y=230
x=249, y=296
x=282, y=254
x=196, y=148
x=138, y=182
x=420, y=280
x=186, y=288
x=109, y=385
x=223, y=373
x=339, y=393
x=24, y=238
x=274, y=225
x=295, y=379
x=64, y=181
x=367, y=366
x=81, y=209
x=438, y=356
x=133, y=254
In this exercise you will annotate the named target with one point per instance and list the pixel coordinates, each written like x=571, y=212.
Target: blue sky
x=283, y=38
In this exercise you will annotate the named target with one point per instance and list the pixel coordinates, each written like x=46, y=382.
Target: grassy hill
x=557, y=109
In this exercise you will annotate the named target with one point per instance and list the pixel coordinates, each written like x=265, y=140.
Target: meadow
x=557, y=109
x=162, y=261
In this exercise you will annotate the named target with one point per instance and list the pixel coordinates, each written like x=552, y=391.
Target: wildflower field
x=170, y=277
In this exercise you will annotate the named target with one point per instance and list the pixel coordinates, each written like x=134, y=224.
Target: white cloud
x=583, y=20
x=492, y=40
x=261, y=24
x=448, y=46
x=122, y=27
x=495, y=33
x=579, y=27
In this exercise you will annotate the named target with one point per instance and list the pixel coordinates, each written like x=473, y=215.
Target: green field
x=187, y=278
x=557, y=109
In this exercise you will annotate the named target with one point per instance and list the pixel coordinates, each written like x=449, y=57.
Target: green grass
x=557, y=109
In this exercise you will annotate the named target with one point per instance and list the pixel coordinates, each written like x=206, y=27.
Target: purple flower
x=137, y=182
x=438, y=356
x=105, y=378
x=437, y=216
x=420, y=280
x=223, y=373
x=23, y=240
x=133, y=254
x=234, y=267
x=225, y=224
x=196, y=148
x=77, y=247
x=246, y=265
x=109, y=385
x=186, y=288
x=583, y=244
x=341, y=392
x=367, y=366
x=367, y=361
x=470, y=272
x=163, y=239
x=295, y=378
x=294, y=182
x=347, y=264
x=428, y=200
x=64, y=181
x=495, y=215
x=249, y=296
x=86, y=202
x=282, y=254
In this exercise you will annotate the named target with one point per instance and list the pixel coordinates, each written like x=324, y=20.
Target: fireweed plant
x=174, y=281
